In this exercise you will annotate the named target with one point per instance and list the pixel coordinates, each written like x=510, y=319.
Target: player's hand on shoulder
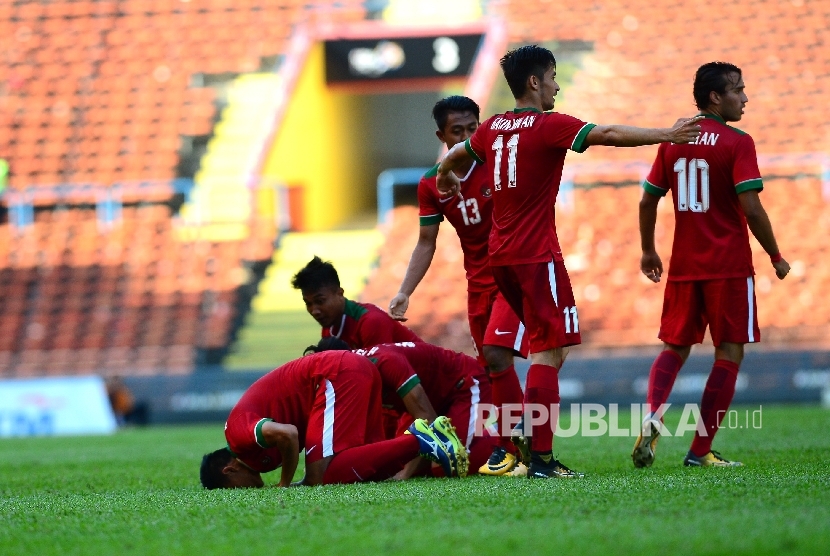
x=782, y=268
x=685, y=130
x=398, y=307
x=652, y=266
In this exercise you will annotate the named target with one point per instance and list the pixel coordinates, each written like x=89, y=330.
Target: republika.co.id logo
x=593, y=419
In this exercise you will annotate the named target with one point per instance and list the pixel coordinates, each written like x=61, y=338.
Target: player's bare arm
x=286, y=439
x=419, y=263
x=447, y=182
x=760, y=226
x=418, y=405
x=685, y=130
x=650, y=263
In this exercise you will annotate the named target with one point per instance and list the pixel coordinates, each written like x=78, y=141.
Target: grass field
x=137, y=492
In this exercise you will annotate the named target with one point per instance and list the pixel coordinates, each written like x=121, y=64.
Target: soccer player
x=360, y=325
x=715, y=183
x=497, y=332
x=454, y=384
x=524, y=151
x=329, y=405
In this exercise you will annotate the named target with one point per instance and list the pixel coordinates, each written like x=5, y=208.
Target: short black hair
x=518, y=65
x=315, y=275
x=213, y=463
x=331, y=343
x=455, y=103
x=713, y=76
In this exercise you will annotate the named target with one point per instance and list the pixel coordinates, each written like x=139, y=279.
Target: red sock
x=542, y=389
x=720, y=388
x=372, y=462
x=506, y=390
x=661, y=378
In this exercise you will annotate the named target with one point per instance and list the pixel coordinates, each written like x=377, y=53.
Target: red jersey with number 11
x=524, y=152
x=711, y=240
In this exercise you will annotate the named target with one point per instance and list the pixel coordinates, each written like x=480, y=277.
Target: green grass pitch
x=137, y=492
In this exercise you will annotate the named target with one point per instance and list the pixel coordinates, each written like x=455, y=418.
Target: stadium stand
x=133, y=298
x=101, y=100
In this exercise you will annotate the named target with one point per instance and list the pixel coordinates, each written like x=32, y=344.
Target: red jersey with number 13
x=470, y=213
x=524, y=152
x=711, y=240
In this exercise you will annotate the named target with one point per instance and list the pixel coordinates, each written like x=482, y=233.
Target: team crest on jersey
x=486, y=192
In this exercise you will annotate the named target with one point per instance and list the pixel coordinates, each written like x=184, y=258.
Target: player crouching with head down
x=329, y=405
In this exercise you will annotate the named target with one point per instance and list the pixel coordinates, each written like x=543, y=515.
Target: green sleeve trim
x=654, y=190
x=579, y=145
x=471, y=152
x=354, y=310
x=756, y=183
x=407, y=386
x=258, y=433
x=432, y=172
x=431, y=219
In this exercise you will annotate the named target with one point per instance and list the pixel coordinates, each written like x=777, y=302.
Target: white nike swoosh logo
x=310, y=449
x=446, y=200
x=500, y=333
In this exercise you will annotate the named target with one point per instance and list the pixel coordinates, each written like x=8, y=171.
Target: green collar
x=528, y=109
x=714, y=117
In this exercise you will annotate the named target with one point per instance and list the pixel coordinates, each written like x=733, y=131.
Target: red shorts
x=494, y=323
x=346, y=411
x=541, y=295
x=727, y=305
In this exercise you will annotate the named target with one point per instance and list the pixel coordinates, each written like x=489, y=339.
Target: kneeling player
x=329, y=405
x=455, y=385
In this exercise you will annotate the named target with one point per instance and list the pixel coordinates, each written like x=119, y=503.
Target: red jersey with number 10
x=524, y=152
x=470, y=213
x=711, y=240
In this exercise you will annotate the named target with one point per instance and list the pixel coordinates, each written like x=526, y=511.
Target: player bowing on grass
x=715, y=183
x=329, y=405
x=497, y=332
x=453, y=384
x=524, y=151
x=360, y=325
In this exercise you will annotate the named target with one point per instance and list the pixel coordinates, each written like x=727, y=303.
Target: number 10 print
x=688, y=197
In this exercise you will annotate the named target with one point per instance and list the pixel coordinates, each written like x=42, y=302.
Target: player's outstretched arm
x=419, y=263
x=650, y=263
x=685, y=130
x=446, y=181
x=761, y=228
x=286, y=439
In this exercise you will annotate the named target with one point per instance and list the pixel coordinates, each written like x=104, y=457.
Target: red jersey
x=525, y=150
x=710, y=235
x=440, y=371
x=365, y=325
x=470, y=213
x=284, y=395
